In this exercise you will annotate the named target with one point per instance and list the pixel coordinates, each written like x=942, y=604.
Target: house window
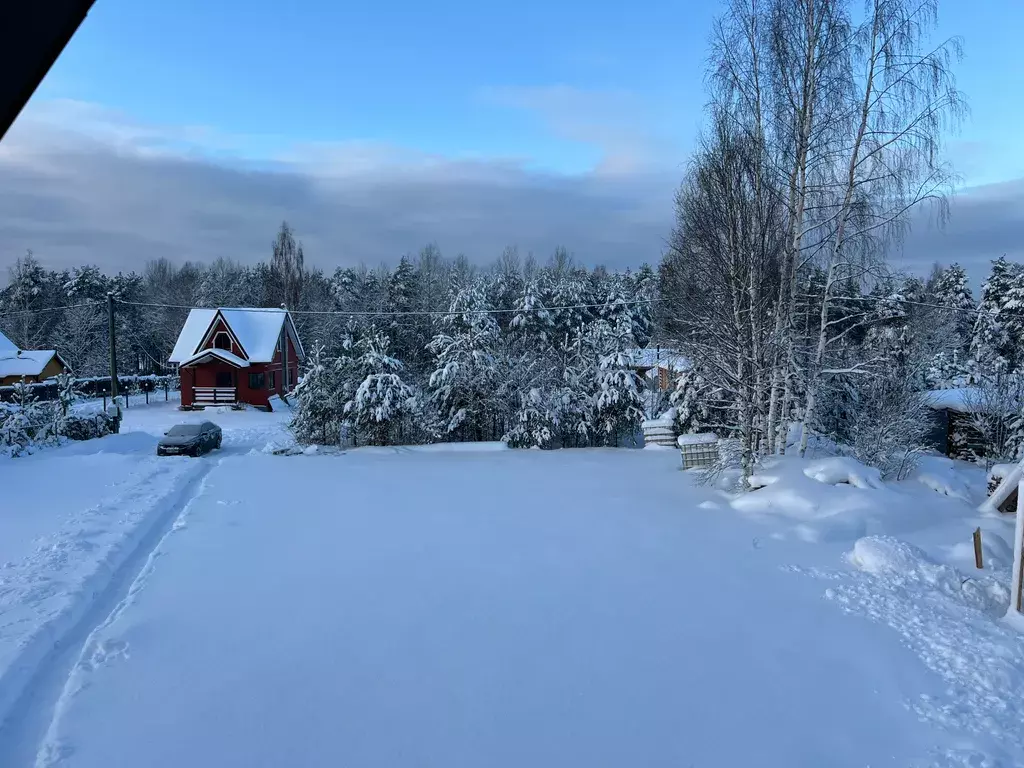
x=224, y=379
x=222, y=341
x=273, y=383
x=256, y=380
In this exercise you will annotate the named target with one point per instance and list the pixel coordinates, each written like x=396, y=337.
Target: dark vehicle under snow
x=189, y=439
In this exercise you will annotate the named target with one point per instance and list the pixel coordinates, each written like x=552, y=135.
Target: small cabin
x=951, y=429
x=228, y=356
x=32, y=365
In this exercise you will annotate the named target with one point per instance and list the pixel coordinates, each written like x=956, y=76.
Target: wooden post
x=1017, y=586
x=284, y=352
x=977, y=548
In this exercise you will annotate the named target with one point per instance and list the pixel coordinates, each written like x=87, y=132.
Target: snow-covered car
x=189, y=439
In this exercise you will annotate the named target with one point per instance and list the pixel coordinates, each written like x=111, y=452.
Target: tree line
x=432, y=348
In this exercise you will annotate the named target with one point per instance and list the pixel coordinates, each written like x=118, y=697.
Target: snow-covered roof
x=220, y=354
x=959, y=399
x=196, y=325
x=257, y=330
x=6, y=345
x=654, y=357
x=25, y=362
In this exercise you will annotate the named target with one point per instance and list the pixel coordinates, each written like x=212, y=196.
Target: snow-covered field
x=494, y=608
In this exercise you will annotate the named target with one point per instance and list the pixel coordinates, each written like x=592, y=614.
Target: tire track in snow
x=43, y=683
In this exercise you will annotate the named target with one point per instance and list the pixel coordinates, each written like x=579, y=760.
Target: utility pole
x=113, y=347
x=284, y=352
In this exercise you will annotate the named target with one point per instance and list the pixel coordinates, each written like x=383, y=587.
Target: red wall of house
x=205, y=375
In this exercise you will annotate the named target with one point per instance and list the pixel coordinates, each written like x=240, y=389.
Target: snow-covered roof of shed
x=220, y=354
x=652, y=357
x=26, y=362
x=959, y=399
x=6, y=345
x=257, y=329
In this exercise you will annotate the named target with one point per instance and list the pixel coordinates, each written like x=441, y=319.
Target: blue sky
x=450, y=77
x=376, y=128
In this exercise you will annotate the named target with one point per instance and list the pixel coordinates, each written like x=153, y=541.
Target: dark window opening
x=222, y=341
x=224, y=379
x=256, y=381
x=273, y=383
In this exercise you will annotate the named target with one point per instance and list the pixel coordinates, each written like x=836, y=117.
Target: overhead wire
x=407, y=313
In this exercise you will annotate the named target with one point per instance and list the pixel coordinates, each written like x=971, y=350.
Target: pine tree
x=317, y=416
x=953, y=292
x=618, y=405
x=535, y=422
x=464, y=375
x=990, y=339
x=382, y=401
x=690, y=400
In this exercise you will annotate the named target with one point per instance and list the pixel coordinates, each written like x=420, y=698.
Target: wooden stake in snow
x=977, y=548
x=1017, y=588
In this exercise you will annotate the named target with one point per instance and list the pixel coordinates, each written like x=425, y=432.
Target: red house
x=244, y=355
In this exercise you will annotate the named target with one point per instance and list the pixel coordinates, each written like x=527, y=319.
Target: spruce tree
x=991, y=351
x=618, y=405
x=382, y=401
x=316, y=417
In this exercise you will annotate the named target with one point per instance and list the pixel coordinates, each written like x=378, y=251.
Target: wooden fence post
x=977, y=548
x=1017, y=587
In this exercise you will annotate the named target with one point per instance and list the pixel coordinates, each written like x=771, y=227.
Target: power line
x=902, y=301
x=50, y=309
x=409, y=313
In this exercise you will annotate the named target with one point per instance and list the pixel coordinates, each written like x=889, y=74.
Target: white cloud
x=630, y=135
x=80, y=184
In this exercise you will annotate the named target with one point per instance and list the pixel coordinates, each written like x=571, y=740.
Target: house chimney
x=18, y=354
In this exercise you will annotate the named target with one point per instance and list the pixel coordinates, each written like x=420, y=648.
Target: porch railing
x=214, y=396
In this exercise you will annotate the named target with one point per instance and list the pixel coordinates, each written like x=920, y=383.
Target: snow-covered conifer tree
x=618, y=405
x=535, y=422
x=464, y=376
x=953, y=292
x=382, y=401
x=990, y=340
x=316, y=417
x=690, y=399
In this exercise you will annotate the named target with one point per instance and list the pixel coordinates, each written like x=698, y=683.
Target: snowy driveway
x=570, y=608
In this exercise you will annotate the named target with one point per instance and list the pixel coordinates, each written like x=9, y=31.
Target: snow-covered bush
x=889, y=424
x=87, y=427
x=15, y=430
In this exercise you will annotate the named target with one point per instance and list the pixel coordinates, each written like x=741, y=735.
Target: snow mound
x=884, y=554
x=840, y=499
x=996, y=554
x=842, y=469
x=949, y=478
x=953, y=624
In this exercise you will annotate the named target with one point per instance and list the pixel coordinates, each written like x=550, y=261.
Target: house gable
x=219, y=327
